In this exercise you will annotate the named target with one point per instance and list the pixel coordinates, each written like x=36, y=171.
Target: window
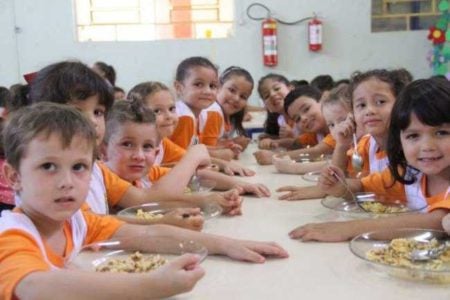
x=399, y=15
x=144, y=20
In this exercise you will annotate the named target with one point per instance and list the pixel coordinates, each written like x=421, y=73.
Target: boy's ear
x=178, y=87
x=12, y=177
x=102, y=151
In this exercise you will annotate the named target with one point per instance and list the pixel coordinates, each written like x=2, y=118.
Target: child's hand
x=230, y=201
x=231, y=168
x=301, y=193
x=260, y=190
x=325, y=232
x=236, y=148
x=224, y=153
x=252, y=251
x=199, y=154
x=243, y=141
x=178, y=276
x=329, y=182
x=286, y=132
x=263, y=157
x=343, y=132
x=265, y=143
x=189, y=218
x=283, y=163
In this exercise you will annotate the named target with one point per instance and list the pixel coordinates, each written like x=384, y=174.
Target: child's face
x=305, y=111
x=334, y=113
x=95, y=112
x=52, y=180
x=427, y=148
x=273, y=93
x=163, y=105
x=131, y=150
x=233, y=94
x=199, y=89
x=372, y=105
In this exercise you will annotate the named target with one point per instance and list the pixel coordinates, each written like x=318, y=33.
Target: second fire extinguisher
x=270, y=52
x=315, y=34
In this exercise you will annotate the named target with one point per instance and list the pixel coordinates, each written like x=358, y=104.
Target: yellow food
x=380, y=208
x=147, y=215
x=134, y=263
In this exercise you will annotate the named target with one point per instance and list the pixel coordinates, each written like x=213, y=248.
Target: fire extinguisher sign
x=270, y=52
x=315, y=35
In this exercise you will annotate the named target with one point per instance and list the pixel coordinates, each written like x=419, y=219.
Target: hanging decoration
x=439, y=35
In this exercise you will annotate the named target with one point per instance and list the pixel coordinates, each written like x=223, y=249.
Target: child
x=107, y=72
x=302, y=105
x=158, y=98
x=75, y=84
x=236, y=85
x=50, y=153
x=129, y=150
x=6, y=192
x=419, y=173
x=336, y=110
x=272, y=89
x=196, y=84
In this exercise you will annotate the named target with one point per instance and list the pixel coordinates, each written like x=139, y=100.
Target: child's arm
x=343, y=135
x=343, y=231
x=333, y=186
x=301, y=193
x=284, y=164
x=225, y=182
x=176, y=277
x=231, y=167
x=243, y=250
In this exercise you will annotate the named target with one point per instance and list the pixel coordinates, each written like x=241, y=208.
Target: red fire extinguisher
x=315, y=34
x=270, y=52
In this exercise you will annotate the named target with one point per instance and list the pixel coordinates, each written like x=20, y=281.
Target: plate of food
x=145, y=213
x=395, y=252
x=133, y=255
x=371, y=205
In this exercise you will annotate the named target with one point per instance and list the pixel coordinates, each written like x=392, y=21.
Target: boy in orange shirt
x=50, y=154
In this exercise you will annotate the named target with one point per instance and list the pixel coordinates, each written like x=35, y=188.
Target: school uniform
x=153, y=175
x=169, y=152
x=312, y=139
x=23, y=251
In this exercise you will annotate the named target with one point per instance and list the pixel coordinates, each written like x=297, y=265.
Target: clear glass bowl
x=311, y=176
x=353, y=209
x=203, y=186
x=418, y=271
x=97, y=255
x=308, y=158
x=209, y=210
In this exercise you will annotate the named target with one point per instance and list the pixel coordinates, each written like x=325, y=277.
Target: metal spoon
x=428, y=254
x=357, y=161
x=347, y=187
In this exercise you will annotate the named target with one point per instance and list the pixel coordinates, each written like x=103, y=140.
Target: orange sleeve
x=383, y=184
x=115, y=186
x=184, y=132
x=211, y=131
x=172, y=152
x=363, y=150
x=329, y=140
x=157, y=172
x=20, y=255
x=307, y=139
x=100, y=228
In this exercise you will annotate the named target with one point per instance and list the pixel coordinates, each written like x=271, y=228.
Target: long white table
x=313, y=270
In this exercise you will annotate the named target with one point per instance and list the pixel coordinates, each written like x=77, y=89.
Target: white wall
x=47, y=35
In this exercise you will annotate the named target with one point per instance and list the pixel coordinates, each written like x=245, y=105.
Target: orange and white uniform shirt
x=23, y=251
x=105, y=190
x=154, y=174
x=282, y=121
x=169, y=152
x=312, y=139
x=374, y=159
x=382, y=183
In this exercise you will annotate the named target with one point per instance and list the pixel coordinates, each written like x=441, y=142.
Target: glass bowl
x=311, y=176
x=380, y=206
x=366, y=245
x=203, y=186
x=309, y=158
x=132, y=255
x=208, y=211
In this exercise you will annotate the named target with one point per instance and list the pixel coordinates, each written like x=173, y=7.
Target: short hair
x=108, y=70
x=66, y=81
x=45, y=118
x=339, y=94
x=304, y=90
x=144, y=89
x=195, y=61
x=323, y=82
x=429, y=100
x=127, y=111
x=274, y=77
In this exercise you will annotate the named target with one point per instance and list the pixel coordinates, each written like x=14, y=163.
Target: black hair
x=429, y=100
x=236, y=119
x=298, y=83
x=65, y=81
x=108, y=70
x=306, y=90
x=271, y=126
x=187, y=64
x=323, y=83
